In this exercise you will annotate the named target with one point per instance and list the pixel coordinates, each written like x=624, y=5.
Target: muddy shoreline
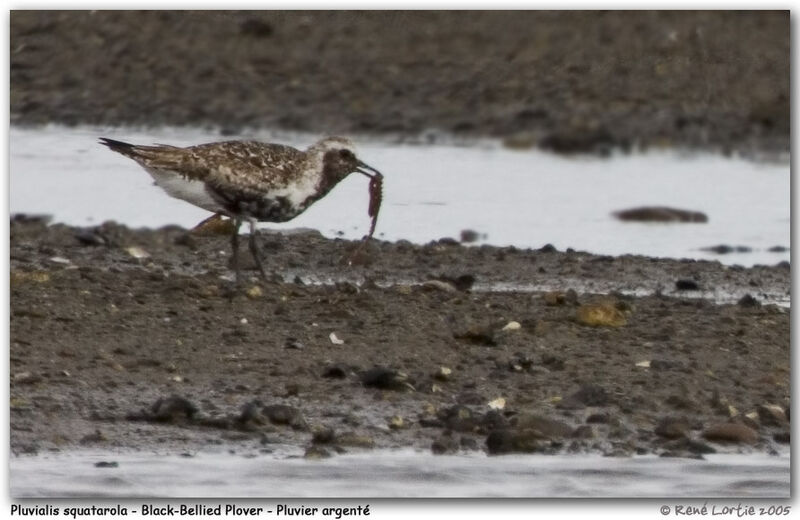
x=137, y=340
x=566, y=81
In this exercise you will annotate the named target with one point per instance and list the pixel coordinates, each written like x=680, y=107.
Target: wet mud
x=139, y=340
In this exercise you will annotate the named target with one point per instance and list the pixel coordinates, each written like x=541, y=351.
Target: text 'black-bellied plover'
x=253, y=181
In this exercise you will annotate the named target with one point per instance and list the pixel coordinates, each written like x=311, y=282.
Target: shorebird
x=252, y=181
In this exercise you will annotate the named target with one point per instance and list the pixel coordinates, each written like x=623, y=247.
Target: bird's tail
x=126, y=149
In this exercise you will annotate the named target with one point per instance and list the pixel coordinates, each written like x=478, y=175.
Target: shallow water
x=521, y=198
x=403, y=473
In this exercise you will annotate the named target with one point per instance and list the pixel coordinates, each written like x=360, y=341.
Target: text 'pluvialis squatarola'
x=253, y=181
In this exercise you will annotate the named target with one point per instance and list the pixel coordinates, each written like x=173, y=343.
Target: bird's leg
x=235, y=247
x=254, y=249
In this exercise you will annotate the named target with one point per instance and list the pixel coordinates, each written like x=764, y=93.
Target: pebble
x=600, y=315
x=443, y=374
x=336, y=371
x=173, y=408
x=660, y=214
x=544, y=426
x=445, y=444
x=772, y=415
x=385, y=379
x=730, y=432
x=285, y=415
x=335, y=340
x=687, y=285
x=672, y=427
x=512, y=325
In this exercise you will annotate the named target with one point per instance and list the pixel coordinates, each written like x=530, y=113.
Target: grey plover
x=252, y=181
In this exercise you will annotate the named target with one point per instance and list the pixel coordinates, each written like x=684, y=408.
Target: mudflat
x=567, y=81
x=137, y=339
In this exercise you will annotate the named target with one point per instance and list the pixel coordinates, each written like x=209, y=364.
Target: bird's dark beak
x=367, y=170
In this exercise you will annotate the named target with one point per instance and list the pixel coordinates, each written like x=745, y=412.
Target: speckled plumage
x=248, y=180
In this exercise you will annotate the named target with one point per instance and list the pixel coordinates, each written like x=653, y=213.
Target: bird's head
x=339, y=160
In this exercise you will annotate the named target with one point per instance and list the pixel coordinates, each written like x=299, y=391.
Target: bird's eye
x=344, y=153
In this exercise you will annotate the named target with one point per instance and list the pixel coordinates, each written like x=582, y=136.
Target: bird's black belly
x=261, y=208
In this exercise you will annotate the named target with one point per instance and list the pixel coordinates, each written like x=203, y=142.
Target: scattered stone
x=294, y=344
x=317, y=452
x=469, y=235
x=439, y=285
x=497, y=404
x=336, y=371
x=106, y=464
x=173, y=409
x=643, y=364
x=772, y=415
x=748, y=300
x=686, y=285
x=724, y=249
x=543, y=426
x=477, y=335
x=443, y=374
x=92, y=438
x=335, y=340
x=385, y=379
x=137, y=252
x=322, y=435
x=282, y=414
x=584, y=431
x=445, y=444
x=587, y=395
x=254, y=292
x=459, y=418
x=26, y=378
x=353, y=440
x=512, y=325
x=396, y=422
x=673, y=427
x=600, y=315
x=730, y=432
x=782, y=437
x=660, y=214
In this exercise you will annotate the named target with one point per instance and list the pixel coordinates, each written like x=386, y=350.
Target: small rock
x=583, y=431
x=469, y=235
x=445, y=444
x=26, y=378
x=673, y=427
x=335, y=340
x=782, y=437
x=748, y=301
x=512, y=325
x=459, y=418
x=106, y=464
x=477, y=335
x=724, y=249
x=173, y=409
x=772, y=415
x=355, y=441
x=439, y=285
x=497, y=404
x=396, y=422
x=687, y=285
x=660, y=214
x=600, y=315
x=730, y=432
x=554, y=298
x=282, y=414
x=544, y=426
x=323, y=435
x=443, y=374
x=254, y=292
x=385, y=379
x=587, y=395
x=92, y=438
x=316, y=452
x=336, y=371
x=137, y=252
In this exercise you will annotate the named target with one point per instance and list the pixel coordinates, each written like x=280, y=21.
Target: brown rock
x=660, y=214
x=600, y=315
x=731, y=432
x=672, y=427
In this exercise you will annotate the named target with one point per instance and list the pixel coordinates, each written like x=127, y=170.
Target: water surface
x=521, y=198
